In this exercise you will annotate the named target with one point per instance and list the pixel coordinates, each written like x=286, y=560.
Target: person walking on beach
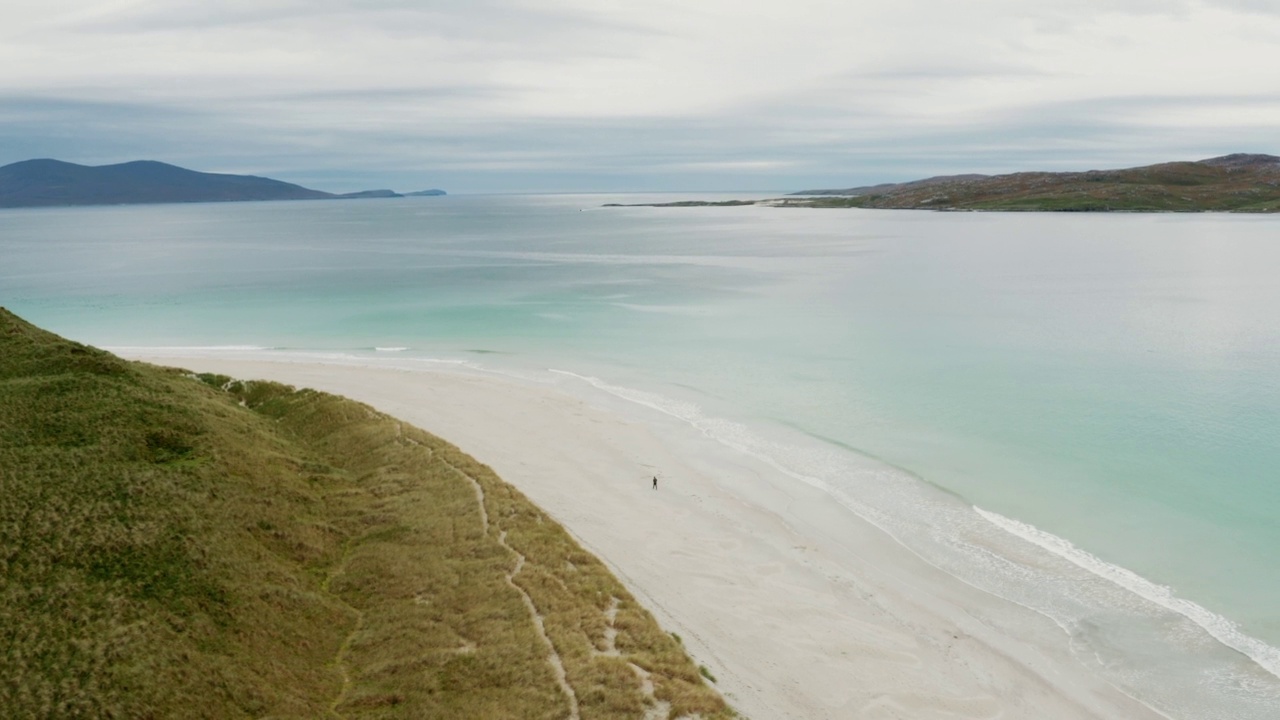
x=655, y=482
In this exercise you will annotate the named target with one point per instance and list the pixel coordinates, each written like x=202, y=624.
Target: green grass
x=174, y=545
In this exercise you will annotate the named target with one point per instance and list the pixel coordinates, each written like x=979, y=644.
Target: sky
x=610, y=95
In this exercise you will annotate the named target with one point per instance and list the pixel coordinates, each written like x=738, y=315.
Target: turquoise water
x=1104, y=390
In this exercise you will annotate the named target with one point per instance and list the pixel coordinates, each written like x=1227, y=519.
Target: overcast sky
x=564, y=95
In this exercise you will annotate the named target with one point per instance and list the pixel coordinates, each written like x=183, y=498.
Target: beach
x=797, y=607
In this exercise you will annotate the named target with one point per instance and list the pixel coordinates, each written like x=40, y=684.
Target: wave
x=377, y=357
x=687, y=310
x=1222, y=629
x=983, y=549
x=364, y=359
x=185, y=348
x=739, y=438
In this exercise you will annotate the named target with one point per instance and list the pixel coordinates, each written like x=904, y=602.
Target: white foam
x=689, y=310
x=737, y=437
x=675, y=408
x=371, y=361
x=184, y=348
x=1222, y=629
x=382, y=357
x=740, y=438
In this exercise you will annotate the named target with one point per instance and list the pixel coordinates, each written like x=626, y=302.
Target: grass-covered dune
x=175, y=545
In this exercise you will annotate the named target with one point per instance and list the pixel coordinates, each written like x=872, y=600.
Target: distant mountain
x=426, y=193
x=53, y=182
x=366, y=194
x=1238, y=183
x=44, y=183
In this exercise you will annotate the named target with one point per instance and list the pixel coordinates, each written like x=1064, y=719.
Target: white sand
x=799, y=608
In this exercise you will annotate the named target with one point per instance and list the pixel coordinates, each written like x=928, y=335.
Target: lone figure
x=655, y=482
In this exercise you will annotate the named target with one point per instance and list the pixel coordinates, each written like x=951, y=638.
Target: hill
x=174, y=545
x=885, y=187
x=48, y=183
x=370, y=194
x=1237, y=183
x=34, y=183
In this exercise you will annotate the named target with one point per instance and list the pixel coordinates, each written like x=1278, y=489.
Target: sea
x=1079, y=413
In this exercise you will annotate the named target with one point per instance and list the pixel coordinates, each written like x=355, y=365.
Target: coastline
x=798, y=607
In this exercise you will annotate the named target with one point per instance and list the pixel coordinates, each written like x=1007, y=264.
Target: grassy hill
x=174, y=545
x=1235, y=183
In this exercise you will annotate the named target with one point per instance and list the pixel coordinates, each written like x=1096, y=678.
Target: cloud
x=571, y=94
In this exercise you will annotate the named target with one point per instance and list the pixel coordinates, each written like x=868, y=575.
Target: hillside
x=174, y=545
x=370, y=195
x=1237, y=183
x=49, y=183
x=34, y=183
x=886, y=187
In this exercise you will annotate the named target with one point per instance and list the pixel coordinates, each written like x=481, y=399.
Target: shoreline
x=796, y=605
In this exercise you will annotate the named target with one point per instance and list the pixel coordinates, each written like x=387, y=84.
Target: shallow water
x=1105, y=389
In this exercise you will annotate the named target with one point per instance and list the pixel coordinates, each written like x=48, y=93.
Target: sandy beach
x=798, y=607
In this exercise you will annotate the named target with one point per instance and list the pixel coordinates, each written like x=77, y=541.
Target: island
x=1231, y=183
x=52, y=183
x=369, y=194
